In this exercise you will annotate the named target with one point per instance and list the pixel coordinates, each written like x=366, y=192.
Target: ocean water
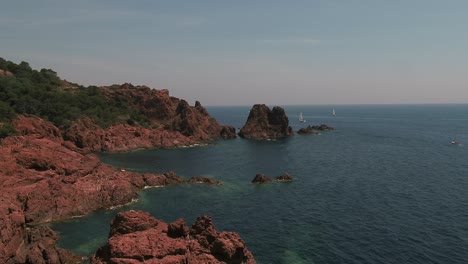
x=385, y=187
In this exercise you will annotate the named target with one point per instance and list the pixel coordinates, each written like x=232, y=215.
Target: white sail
x=301, y=118
x=333, y=112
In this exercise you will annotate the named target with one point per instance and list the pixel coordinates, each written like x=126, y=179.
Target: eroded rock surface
x=137, y=237
x=264, y=123
x=173, y=123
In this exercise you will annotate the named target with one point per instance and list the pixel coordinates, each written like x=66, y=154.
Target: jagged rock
x=131, y=222
x=173, y=123
x=86, y=134
x=264, y=123
x=261, y=178
x=173, y=243
x=178, y=229
x=313, y=130
x=284, y=177
x=20, y=244
x=228, y=132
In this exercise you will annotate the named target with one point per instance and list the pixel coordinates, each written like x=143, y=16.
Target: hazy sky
x=246, y=51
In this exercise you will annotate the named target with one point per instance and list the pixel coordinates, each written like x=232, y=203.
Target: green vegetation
x=39, y=93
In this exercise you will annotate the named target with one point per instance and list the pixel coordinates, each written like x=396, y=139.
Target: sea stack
x=264, y=123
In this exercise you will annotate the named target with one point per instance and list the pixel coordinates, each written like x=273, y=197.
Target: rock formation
x=45, y=178
x=284, y=177
x=313, y=130
x=264, y=123
x=173, y=123
x=199, y=179
x=261, y=178
x=137, y=237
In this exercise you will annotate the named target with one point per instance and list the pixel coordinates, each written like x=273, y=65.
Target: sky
x=243, y=52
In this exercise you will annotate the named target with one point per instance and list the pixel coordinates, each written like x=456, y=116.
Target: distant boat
x=301, y=118
x=333, y=112
x=454, y=142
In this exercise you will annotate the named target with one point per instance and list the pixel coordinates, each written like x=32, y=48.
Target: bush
x=7, y=130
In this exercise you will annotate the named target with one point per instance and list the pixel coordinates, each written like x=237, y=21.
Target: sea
x=387, y=186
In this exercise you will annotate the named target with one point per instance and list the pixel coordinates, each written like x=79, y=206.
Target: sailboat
x=301, y=118
x=333, y=112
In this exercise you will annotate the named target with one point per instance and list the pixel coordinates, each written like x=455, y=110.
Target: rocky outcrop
x=6, y=73
x=261, y=178
x=44, y=178
x=205, y=180
x=136, y=237
x=284, y=177
x=313, y=130
x=264, y=123
x=172, y=123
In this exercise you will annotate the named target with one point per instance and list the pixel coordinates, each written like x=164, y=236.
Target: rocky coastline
x=47, y=174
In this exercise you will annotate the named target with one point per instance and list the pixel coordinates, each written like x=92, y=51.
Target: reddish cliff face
x=136, y=237
x=173, y=122
x=264, y=123
x=45, y=178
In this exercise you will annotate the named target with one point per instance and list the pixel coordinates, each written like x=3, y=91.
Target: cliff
x=45, y=178
x=171, y=121
x=264, y=123
x=47, y=169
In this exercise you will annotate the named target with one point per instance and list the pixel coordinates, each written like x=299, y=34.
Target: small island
x=264, y=124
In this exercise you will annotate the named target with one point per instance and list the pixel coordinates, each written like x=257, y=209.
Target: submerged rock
x=284, y=177
x=206, y=180
x=264, y=123
x=170, y=243
x=313, y=130
x=261, y=178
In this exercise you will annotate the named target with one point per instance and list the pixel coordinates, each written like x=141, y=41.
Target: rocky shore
x=137, y=237
x=47, y=174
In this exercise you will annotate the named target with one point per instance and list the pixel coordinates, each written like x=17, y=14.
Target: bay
x=385, y=187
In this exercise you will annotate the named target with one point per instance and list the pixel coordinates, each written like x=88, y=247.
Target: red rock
x=264, y=123
x=46, y=177
x=6, y=73
x=43, y=179
x=178, y=229
x=131, y=222
x=164, y=243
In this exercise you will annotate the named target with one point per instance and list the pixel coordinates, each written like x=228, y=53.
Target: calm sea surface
x=385, y=187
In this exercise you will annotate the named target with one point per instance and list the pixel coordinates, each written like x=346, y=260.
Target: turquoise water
x=385, y=187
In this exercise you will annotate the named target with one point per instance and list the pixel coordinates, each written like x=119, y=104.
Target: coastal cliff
x=48, y=131
x=170, y=122
x=264, y=123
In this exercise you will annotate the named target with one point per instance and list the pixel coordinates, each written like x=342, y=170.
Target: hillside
x=96, y=116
